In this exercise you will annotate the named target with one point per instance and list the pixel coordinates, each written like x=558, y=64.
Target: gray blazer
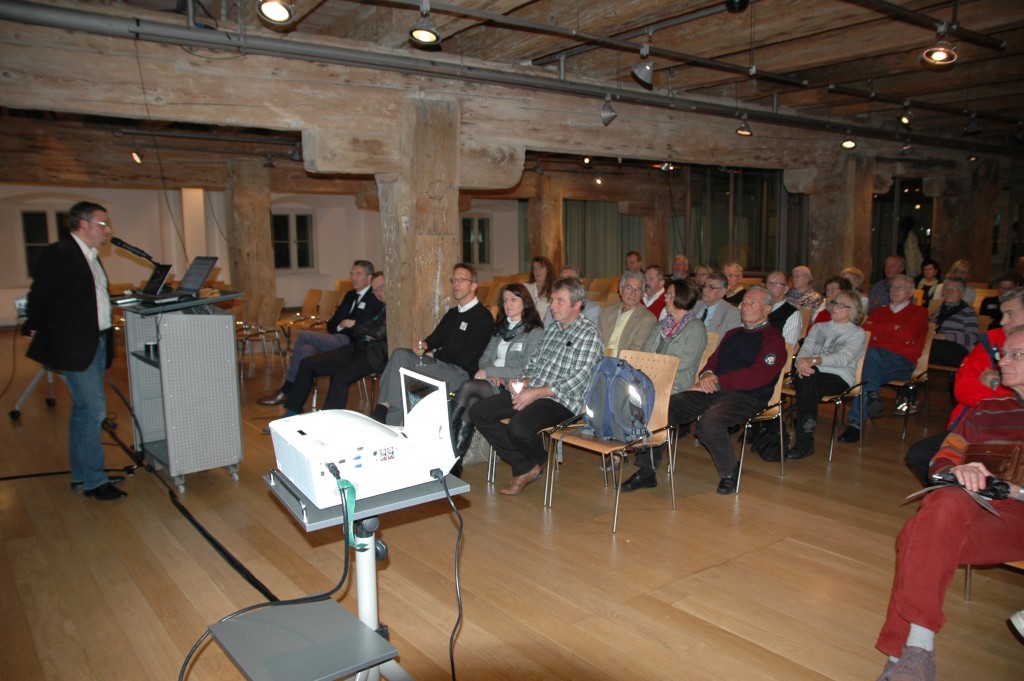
x=519, y=351
x=726, y=318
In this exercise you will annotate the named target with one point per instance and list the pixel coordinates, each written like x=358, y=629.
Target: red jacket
x=967, y=388
x=901, y=332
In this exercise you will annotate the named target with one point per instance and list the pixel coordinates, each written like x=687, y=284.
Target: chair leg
x=835, y=426
x=670, y=445
x=782, y=449
x=743, y=449
x=967, y=582
x=549, y=474
x=492, y=464
x=617, y=481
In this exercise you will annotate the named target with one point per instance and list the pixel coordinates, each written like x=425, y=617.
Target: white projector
x=374, y=457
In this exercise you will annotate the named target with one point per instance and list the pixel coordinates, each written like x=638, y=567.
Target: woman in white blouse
x=517, y=335
x=826, y=365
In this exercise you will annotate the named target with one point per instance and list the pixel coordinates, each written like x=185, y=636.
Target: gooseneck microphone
x=131, y=249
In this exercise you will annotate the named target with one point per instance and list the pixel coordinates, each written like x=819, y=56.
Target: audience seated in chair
x=898, y=331
x=801, y=295
x=833, y=286
x=542, y=277
x=737, y=382
x=977, y=379
x=654, y=290
x=591, y=309
x=680, y=267
x=928, y=280
x=367, y=354
x=515, y=339
x=956, y=325
x=450, y=352
x=960, y=269
x=826, y=365
x=718, y=315
x=625, y=326
x=951, y=529
x=680, y=333
x=784, y=316
x=556, y=379
x=358, y=305
x=878, y=296
x=989, y=307
x=733, y=272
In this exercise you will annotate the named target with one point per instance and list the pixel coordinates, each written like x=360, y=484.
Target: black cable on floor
x=458, y=587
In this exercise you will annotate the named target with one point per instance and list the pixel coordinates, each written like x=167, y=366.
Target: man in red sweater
x=950, y=529
x=898, y=331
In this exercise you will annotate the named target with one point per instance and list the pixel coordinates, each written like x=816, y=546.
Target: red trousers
x=949, y=530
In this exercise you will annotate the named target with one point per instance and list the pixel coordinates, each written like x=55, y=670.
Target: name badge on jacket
x=516, y=347
x=463, y=326
x=361, y=306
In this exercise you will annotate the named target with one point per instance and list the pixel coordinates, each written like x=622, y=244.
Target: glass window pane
x=304, y=241
x=280, y=241
x=467, y=240
x=34, y=228
x=483, y=226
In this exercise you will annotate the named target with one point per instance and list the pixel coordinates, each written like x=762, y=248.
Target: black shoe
x=727, y=485
x=111, y=479
x=875, y=407
x=380, y=414
x=850, y=435
x=105, y=492
x=274, y=400
x=797, y=453
x=641, y=479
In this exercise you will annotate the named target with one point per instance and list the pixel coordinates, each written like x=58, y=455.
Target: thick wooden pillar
x=656, y=228
x=419, y=214
x=964, y=217
x=545, y=215
x=250, y=249
x=839, y=215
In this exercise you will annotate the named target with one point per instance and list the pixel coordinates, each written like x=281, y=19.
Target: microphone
x=135, y=250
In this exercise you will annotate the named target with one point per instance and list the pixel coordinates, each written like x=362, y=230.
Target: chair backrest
x=328, y=303
x=310, y=302
x=343, y=285
x=777, y=393
x=863, y=354
x=598, y=290
x=661, y=369
x=922, y=361
x=980, y=294
x=270, y=310
x=806, y=314
x=918, y=296
x=709, y=349
x=251, y=311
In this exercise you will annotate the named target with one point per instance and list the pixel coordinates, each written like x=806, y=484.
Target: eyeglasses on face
x=709, y=287
x=460, y=280
x=101, y=223
x=1013, y=355
x=776, y=283
x=626, y=288
x=837, y=304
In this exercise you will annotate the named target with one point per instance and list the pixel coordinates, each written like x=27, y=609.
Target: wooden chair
x=918, y=296
x=772, y=411
x=308, y=311
x=918, y=379
x=267, y=331
x=247, y=319
x=980, y=294
x=806, y=315
x=840, y=400
x=661, y=369
x=598, y=290
x=324, y=311
x=1016, y=565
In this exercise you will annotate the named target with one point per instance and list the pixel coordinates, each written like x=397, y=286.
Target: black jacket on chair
x=62, y=309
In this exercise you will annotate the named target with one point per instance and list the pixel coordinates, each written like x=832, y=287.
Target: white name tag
x=463, y=326
x=361, y=306
x=516, y=347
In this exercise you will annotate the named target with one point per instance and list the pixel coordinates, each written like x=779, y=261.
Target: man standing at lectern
x=69, y=324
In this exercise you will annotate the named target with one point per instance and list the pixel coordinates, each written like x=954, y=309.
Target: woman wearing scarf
x=517, y=334
x=680, y=333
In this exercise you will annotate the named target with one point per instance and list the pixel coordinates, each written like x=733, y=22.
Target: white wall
x=156, y=222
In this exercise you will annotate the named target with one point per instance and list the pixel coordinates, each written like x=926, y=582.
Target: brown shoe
x=519, y=483
x=273, y=400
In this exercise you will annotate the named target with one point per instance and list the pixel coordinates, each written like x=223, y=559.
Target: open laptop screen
x=196, y=274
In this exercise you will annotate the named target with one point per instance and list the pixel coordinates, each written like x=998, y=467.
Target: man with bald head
x=879, y=293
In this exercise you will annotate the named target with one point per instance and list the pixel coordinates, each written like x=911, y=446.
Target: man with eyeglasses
x=718, y=316
x=784, y=315
x=654, y=290
x=356, y=307
x=450, y=353
x=898, y=331
x=951, y=529
x=70, y=327
x=627, y=325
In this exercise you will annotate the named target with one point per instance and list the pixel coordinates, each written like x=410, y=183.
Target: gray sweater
x=839, y=346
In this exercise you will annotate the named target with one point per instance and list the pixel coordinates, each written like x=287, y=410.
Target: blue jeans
x=880, y=367
x=88, y=409
x=311, y=343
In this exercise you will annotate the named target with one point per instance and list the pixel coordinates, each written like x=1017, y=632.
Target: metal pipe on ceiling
x=134, y=28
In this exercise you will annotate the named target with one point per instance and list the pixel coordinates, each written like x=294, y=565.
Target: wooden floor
x=789, y=580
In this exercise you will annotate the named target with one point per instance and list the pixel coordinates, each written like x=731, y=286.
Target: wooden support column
x=419, y=214
x=839, y=215
x=545, y=215
x=656, y=228
x=249, y=244
x=964, y=217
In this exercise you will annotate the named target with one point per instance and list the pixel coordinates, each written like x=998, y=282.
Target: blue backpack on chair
x=619, y=401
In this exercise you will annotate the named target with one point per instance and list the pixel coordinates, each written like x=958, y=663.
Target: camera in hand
x=995, y=488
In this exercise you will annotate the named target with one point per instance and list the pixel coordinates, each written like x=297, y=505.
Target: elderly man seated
x=625, y=326
x=898, y=331
x=736, y=383
x=951, y=529
x=956, y=325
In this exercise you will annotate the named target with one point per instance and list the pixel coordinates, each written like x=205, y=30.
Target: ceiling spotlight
x=973, y=127
x=941, y=53
x=744, y=128
x=849, y=142
x=598, y=180
x=296, y=153
x=667, y=166
x=586, y=160
x=906, y=117
x=907, y=150
x=424, y=32
x=736, y=6
x=643, y=70
x=538, y=168
x=269, y=163
x=137, y=155
x=276, y=11
x=972, y=157
x=607, y=112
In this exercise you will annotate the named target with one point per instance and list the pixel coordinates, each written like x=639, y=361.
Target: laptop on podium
x=190, y=285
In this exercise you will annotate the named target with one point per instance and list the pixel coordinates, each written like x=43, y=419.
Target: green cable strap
x=349, y=491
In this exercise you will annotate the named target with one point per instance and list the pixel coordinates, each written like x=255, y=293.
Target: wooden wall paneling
x=249, y=241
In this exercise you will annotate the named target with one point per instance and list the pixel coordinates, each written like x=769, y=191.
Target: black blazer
x=62, y=309
x=371, y=305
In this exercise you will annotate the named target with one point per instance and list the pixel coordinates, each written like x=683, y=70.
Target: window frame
x=294, y=244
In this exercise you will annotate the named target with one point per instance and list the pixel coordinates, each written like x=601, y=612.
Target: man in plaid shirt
x=556, y=380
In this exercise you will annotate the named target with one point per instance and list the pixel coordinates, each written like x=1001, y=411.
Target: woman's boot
x=463, y=436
